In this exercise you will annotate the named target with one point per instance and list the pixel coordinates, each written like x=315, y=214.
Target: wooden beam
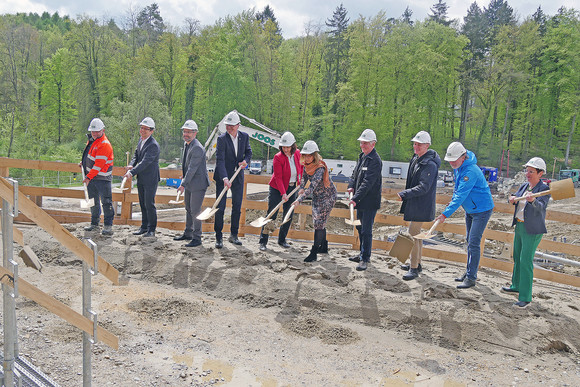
x=61, y=310
x=42, y=219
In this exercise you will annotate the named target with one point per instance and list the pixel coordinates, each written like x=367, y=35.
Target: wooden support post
x=4, y=171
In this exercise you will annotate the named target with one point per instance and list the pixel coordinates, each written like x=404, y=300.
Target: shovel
x=123, y=184
x=428, y=234
x=87, y=203
x=208, y=212
x=176, y=201
x=351, y=221
x=562, y=189
x=402, y=247
x=288, y=214
x=261, y=221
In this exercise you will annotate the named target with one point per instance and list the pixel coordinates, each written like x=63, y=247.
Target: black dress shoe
x=284, y=244
x=508, y=289
x=149, y=234
x=355, y=259
x=183, y=238
x=219, y=243
x=194, y=243
x=462, y=278
x=407, y=266
x=234, y=239
x=140, y=231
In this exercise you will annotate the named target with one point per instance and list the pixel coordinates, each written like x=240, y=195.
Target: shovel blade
x=424, y=235
x=175, y=202
x=402, y=247
x=207, y=213
x=87, y=203
x=261, y=221
x=352, y=222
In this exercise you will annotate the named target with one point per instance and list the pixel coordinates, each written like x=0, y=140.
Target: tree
x=151, y=23
x=440, y=13
x=336, y=50
x=406, y=16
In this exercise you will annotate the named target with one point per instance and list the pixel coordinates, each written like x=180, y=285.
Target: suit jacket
x=534, y=212
x=226, y=159
x=196, y=177
x=145, y=162
x=367, y=181
x=281, y=176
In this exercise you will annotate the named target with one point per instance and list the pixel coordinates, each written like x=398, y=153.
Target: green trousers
x=524, y=249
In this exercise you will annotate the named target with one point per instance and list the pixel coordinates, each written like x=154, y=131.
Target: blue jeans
x=100, y=190
x=475, y=225
x=365, y=232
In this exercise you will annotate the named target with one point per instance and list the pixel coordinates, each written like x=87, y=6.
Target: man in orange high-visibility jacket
x=97, y=162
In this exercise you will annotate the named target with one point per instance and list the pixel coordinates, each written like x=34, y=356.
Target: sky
x=292, y=15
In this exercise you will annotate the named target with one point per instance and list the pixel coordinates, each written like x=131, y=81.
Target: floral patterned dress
x=323, y=198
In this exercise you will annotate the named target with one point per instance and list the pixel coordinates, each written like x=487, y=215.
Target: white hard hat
x=191, y=125
x=422, y=138
x=148, y=122
x=232, y=118
x=368, y=135
x=309, y=148
x=536, y=162
x=96, y=125
x=454, y=151
x=287, y=139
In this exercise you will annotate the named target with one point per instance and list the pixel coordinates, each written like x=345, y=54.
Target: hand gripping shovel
x=86, y=203
x=428, y=234
x=208, y=212
x=351, y=221
x=261, y=221
x=176, y=201
x=562, y=189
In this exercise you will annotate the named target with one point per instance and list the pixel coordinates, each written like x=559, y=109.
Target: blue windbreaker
x=471, y=189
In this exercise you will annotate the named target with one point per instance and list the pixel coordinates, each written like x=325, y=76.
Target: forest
x=493, y=80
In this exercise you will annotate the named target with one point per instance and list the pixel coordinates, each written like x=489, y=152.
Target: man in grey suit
x=194, y=183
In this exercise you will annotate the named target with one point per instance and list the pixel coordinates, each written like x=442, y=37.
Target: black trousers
x=237, y=195
x=147, y=203
x=274, y=198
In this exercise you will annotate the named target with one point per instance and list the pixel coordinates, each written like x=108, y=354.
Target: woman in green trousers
x=530, y=221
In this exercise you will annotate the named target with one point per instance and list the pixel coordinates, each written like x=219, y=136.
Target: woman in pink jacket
x=287, y=172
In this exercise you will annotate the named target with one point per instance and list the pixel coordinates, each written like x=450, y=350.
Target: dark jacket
x=226, y=159
x=145, y=162
x=534, y=212
x=367, y=181
x=420, y=188
x=195, y=177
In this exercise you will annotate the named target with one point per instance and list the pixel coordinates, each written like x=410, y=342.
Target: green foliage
x=495, y=84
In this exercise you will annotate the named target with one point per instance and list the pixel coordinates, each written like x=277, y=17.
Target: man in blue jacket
x=419, y=195
x=472, y=193
x=145, y=165
x=366, y=184
x=233, y=151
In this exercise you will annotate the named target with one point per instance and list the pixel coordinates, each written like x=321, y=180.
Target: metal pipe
x=558, y=259
x=7, y=296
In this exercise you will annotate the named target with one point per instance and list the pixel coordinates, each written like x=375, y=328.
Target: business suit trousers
x=365, y=232
x=100, y=191
x=525, y=246
x=193, y=202
x=147, y=203
x=237, y=195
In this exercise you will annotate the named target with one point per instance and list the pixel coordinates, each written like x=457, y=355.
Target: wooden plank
x=17, y=236
x=61, y=310
x=42, y=219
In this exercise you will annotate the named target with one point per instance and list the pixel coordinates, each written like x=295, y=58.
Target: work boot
x=362, y=265
x=234, y=240
x=407, y=266
x=92, y=227
x=462, y=278
x=107, y=230
x=411, y=274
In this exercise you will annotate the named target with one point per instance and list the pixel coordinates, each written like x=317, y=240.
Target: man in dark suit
x=194, y=183
x=145, y=164
x=233, y=151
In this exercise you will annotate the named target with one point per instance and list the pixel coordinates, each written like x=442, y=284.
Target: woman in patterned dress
x=323, y=194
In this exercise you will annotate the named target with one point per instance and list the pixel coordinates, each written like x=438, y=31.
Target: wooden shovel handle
x=271, y=213
x=433, y=227
x=225, y=189
x=84, y=184
x=541, y=193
